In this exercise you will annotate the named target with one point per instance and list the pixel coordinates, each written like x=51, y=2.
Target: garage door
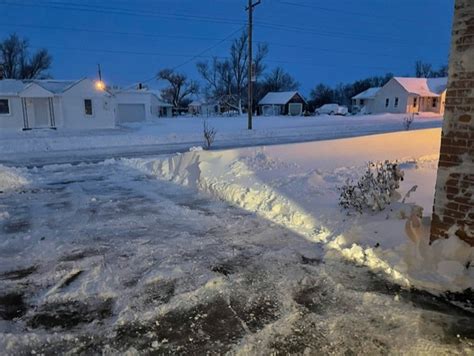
x=131, y=113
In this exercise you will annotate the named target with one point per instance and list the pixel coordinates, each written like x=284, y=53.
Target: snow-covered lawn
x=296, y=186
x=138, y=256
x=178, y=134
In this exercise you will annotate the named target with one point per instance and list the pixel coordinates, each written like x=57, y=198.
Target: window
x=435, y=102
x=387, y=102
x=396, y=103
x=361, y=102
x=4, y=107
x=88, y=107
x=415, y=102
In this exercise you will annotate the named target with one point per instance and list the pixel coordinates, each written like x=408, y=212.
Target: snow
x=178, y=134
x=431, y=87
x=277, y=98
x=296, y=186
x=12, y=178
x=13, y=87
x=368, y=94
x=104, y=258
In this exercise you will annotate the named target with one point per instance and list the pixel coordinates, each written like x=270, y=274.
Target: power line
x=100, y=31
x=269, y=25
x=192, y=58
x=200, y=55
x=118, y=11
x=151, y=35
x=339, y=11
x=342, y=35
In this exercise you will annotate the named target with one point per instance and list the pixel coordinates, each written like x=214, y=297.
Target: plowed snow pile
x=11, y=178
x=296, y=186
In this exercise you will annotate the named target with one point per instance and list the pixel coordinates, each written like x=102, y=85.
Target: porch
x=37, y=108
x=426, y=104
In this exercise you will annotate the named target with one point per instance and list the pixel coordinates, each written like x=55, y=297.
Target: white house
x=364, y=102
x=36, y=104
x=411, y=95
x=140, y=105
x=282, y=103
x=205, y=108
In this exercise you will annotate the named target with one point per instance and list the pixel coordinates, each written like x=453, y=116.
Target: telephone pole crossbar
x=250, y=8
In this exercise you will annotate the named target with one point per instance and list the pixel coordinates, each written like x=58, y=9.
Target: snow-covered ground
x=178, y=134
x=137, y=255
x=296, y=186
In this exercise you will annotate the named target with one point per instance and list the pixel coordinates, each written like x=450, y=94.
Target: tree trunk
x=453, y=212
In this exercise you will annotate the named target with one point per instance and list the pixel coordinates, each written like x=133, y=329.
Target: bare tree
x=227, y=79
x=239, y=62
x=423, y=70
x=279, y=80
x=179, y=87
x=17, y=62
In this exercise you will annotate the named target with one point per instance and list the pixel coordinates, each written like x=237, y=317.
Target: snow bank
x=297, y=186
x=12, y=178
x=187, y=131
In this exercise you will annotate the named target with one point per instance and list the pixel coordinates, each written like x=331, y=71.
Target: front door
x=41, y=115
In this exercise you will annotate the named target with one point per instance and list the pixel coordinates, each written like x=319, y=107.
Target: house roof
x=56, y=86
x=195, y=103
x=431, y=87
x=200, y=102
x=11, y=86
x=15, y=86
x=367, y=94
x=154, y=93
x=278, y=98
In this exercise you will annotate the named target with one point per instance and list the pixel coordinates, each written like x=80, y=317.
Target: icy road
x=102, y=259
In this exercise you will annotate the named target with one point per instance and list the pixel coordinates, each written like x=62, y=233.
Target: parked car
x=332, y=109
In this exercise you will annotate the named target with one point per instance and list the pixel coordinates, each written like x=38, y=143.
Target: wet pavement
x=103, y=259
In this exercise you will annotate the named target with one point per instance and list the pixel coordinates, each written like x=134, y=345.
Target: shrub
x=375, y=188
x=209, y=135
x=408, y=120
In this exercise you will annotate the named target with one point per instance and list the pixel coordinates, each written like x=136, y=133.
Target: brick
x=465, y=118
x=454, y=191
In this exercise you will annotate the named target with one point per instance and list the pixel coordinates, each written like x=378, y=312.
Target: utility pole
x=100, y=72
x=250, y=8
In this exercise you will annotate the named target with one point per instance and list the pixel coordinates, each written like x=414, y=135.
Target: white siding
x=73, y=112
x=391, y=91
x=15, y=119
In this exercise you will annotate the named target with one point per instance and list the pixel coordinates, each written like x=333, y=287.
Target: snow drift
x=12, y=178
x=297, y=186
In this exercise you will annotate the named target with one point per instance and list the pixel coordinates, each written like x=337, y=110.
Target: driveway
x=102, y=259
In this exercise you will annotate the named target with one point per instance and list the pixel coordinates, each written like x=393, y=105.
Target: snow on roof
x=11, y=86
x=155, y=93
x=195, y=103
x=15, y=86
x=431, y=87
x=55, y=86
x=367, y=94
x=278, y=98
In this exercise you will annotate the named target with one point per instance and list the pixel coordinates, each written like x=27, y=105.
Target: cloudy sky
x=315, y=40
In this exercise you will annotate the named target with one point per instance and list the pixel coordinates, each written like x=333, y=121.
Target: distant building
x=364, y=102
x=38, y=104
x=204, y=108
x=404, y=95
x=289, y=103
x=140, y=105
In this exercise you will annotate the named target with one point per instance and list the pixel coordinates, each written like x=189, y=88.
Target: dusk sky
x=316, y=41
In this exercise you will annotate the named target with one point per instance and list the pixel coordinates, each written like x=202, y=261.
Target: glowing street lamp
x=100, y=85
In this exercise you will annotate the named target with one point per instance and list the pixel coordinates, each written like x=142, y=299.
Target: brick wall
x=453, y=211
